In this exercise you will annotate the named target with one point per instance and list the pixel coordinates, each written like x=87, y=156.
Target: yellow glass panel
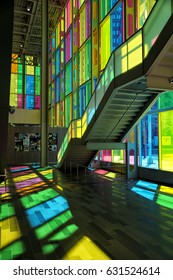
x=29, y=70
x=69, y=133
x=135, y=50
x=7, y=235
x=85, y=249
x=13, y=100
x=82, y=25
x=84, y=123
x=13, y=83
x=105, y=42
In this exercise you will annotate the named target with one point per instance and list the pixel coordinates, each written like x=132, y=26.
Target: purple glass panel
x=68, y=47
x=88, y=19
x=19, y=101
x=37, y=102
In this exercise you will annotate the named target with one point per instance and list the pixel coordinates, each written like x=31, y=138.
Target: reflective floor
x=50, y=214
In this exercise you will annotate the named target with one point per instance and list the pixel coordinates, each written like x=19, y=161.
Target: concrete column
x=6, y=33
x=44, y=86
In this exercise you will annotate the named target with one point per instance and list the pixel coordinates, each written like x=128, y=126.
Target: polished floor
x=50, y=214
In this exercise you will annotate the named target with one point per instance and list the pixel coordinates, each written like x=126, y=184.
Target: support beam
x=44, y=86
x=106, y=146
x=6, y=31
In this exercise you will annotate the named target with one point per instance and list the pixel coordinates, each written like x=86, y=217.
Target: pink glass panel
x=107, y=155
x=19, y=101
x=37, y=102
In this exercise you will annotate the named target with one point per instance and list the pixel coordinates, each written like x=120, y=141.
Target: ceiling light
x=28, y=7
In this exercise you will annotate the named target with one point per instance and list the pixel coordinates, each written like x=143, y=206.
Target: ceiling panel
x=27, y=25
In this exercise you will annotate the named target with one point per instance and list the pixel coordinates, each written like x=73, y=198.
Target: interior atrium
x=86, y=120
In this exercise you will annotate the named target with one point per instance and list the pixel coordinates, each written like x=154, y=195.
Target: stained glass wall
x=84, y=38
x=156, y=135
x=25, y=83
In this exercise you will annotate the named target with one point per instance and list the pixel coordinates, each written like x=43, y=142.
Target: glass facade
x=93, y=42
x=25, y=83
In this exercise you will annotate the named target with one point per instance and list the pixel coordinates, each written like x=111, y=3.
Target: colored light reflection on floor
x=25, y=177
x=27, y=183
x=17, y=174
x=6, y=210
x=65, y=233
x=165, y=200
x=111, y=175
x=19, y=168
x=85, y=249
x=166, y=189
x=44, y=168
x=49, y=171
x=49, y=248
x=30, y=189
x=147, y=185
x=145, y=193
x=101, y=172
x=3, y=189
x=41, y=213
x=12, y=251
x=37, y=198
x=53, y=224
x=10, y=231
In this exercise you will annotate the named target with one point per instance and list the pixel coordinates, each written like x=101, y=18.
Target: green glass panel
x=88, y=92
x=68, y=79
x=105, y=7
x=37, y=85
x=166, y=100
x=75, y=105
x=20, y=68
x=166, y=140
x=67, y=110
x=19, y=89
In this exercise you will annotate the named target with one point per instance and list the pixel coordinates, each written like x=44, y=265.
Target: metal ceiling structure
x=27, y=25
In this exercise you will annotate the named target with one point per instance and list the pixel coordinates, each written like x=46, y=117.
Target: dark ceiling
x=27, y=24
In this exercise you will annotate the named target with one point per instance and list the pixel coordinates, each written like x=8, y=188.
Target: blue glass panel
x=29, y=84
x=57, y=61
x=82, y=99
x=57, y=89
x=53, y=42
x=39, y=214
x=147, y=194
x=113, y=2
x=116, y=27
x=29, y=102
x=149, y=141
